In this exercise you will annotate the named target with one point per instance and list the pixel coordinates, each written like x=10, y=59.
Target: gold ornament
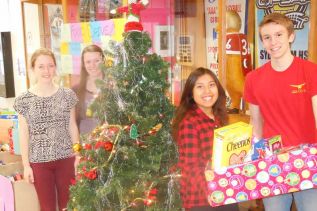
x=158, y=127
x=77, y=147
x=108, y=60
x=109, y=63
x=155, y=129
x=89, y=112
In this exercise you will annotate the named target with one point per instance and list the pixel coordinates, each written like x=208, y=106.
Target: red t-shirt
x=285, y=101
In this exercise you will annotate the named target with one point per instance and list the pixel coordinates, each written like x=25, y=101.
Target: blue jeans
x=305, y=201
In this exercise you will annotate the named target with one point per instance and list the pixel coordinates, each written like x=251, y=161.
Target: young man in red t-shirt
x=282, y=97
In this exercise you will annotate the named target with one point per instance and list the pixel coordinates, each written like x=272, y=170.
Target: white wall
x=11, y=20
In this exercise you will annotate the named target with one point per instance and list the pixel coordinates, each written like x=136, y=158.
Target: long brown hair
x=187, y=101
x=81, y=91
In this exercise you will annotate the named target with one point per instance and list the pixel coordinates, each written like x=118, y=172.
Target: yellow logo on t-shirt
x=300, y=88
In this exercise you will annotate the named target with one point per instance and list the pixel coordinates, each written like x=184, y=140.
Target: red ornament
x=108, y=146
x=148, y=202
x=99, y=144
x=73, y=181
x=87, y=146
x=153, y=191
x=92, y=174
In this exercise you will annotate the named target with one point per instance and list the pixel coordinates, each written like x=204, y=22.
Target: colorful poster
x=211, y=22
x=76, y=36
x=55, y=19
x=298, y=11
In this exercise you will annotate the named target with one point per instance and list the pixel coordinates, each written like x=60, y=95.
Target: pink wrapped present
x=279, y=174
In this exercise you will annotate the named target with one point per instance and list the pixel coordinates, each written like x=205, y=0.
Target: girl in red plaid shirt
x=201, y=110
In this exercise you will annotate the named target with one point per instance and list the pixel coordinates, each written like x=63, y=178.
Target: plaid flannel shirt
x=195, y=138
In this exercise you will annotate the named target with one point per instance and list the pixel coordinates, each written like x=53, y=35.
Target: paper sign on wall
x=76, y=36
x=298, y=12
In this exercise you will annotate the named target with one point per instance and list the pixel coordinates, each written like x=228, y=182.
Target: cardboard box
x=231, y=144
x=25, y=196
x=7, y=157
x=11, y=169
x=279, y=174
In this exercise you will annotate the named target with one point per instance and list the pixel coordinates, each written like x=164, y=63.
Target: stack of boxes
x=11, y=168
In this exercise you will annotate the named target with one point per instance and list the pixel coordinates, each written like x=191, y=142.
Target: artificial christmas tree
x=126, y=161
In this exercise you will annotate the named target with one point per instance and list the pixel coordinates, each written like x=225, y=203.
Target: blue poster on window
x=298, y=12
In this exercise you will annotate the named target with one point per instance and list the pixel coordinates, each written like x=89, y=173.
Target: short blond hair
x=280, y=19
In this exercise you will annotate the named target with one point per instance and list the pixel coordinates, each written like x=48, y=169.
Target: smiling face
x=92, y=61
x=44, y=69
x=276, y=40
x=205, y=93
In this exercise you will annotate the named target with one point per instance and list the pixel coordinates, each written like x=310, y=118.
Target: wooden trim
x=222, y=42
x=65, y=11
x=251, y=29
x=42, y=1
x=25, y=50
x=30, y=1
x=312, y=38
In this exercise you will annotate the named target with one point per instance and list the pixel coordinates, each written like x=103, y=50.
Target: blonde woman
x=48, y=130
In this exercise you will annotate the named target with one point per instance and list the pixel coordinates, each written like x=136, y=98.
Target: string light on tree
x=126, y=161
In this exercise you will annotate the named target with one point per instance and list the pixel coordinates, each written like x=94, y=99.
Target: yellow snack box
x=231, y=144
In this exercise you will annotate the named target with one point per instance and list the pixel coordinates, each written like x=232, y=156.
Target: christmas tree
x=126, y=162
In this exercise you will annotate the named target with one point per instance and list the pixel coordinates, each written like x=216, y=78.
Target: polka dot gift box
x=279, y=174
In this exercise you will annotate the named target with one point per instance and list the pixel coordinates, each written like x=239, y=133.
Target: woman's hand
x=77, y=160
x=28, y=174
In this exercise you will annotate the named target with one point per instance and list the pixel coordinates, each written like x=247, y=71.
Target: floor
x=253, y=205
x=256, y=205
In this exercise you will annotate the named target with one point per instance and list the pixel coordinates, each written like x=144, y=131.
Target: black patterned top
x=48, y=124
